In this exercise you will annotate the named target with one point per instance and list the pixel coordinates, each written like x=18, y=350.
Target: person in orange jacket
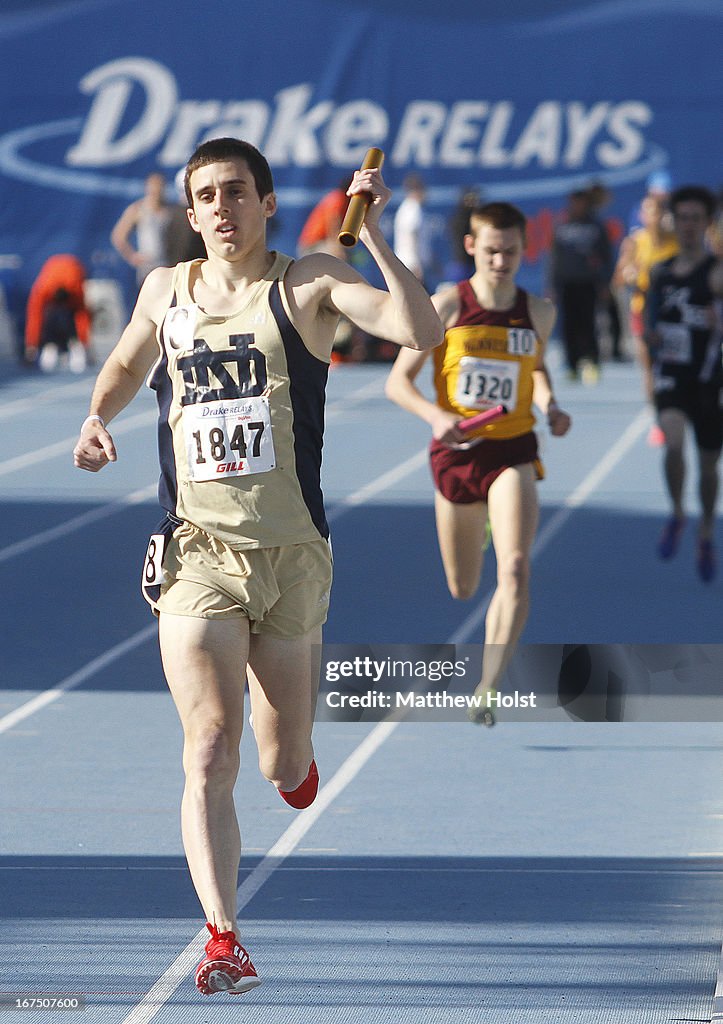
x=57, y=299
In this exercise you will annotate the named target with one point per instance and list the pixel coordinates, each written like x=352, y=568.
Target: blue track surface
x=552, y=872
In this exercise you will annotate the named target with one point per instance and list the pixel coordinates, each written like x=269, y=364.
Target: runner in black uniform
x=684, y=336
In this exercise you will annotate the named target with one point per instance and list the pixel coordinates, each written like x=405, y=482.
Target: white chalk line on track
x=57, y=393
x=717, y=1017
x=95, y=515
x=374, y=487
x=65, y=447
x=77, y=678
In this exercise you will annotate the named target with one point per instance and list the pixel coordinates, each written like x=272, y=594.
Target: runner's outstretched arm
x=122, y=375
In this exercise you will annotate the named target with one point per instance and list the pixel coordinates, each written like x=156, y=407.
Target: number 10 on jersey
x=228, y=438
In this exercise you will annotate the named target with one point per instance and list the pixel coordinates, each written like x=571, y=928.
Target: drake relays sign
x=523, y=101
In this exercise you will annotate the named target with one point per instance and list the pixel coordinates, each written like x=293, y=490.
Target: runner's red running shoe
x=226, y=967
x=656, y=437
x=305, y=794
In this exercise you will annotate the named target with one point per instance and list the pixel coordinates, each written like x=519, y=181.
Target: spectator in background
x=640, y=250
x=659, y=185
x=412, y=242
x=181, y=242
x=320, y=232
x=57, y=319
x=600, y=197
x=580, y=269
x=146, y=220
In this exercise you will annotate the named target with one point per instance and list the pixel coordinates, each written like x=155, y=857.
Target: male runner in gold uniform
x=238, y=347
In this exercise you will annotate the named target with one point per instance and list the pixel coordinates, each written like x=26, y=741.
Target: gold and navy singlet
x=241, y=418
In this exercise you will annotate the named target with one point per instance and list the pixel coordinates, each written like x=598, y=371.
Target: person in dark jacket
x=581, y=266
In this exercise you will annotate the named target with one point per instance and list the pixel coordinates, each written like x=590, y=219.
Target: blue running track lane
x=557, y=872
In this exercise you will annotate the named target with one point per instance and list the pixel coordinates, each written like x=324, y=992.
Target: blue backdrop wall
x=523, y=100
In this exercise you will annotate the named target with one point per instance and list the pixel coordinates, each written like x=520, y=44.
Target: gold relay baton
x=359, y=204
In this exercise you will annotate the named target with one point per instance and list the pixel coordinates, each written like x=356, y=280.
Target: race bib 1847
x=228, y=438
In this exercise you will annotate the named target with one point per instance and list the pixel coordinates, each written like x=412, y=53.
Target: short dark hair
x=500, y=216
x=215, y=150
x=694, y=194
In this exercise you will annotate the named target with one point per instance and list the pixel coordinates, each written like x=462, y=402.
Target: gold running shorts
x=282, y=591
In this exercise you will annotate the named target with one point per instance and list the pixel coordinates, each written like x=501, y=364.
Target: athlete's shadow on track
x=431, y=889
x=597, y=581
x=68, y=601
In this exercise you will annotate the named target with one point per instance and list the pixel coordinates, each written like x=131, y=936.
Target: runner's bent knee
x=285, y=765
x=462, y=588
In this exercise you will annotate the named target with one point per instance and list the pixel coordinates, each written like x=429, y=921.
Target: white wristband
x=92, y=419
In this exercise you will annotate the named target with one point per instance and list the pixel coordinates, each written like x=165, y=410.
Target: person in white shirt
x=412, y=244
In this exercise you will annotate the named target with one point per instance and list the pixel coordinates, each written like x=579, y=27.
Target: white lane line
x=439, y=869
x=372, y=389
x=159, y=994
x=94, y=515
x=50, y=395
x=65, y=447
x=21, y=547
x=374, y=487
x=575, y=500
x=596, y=475
x=717, y=1017
x=70, y=682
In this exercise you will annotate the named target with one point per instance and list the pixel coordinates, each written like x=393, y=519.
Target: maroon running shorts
x=466, y=476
